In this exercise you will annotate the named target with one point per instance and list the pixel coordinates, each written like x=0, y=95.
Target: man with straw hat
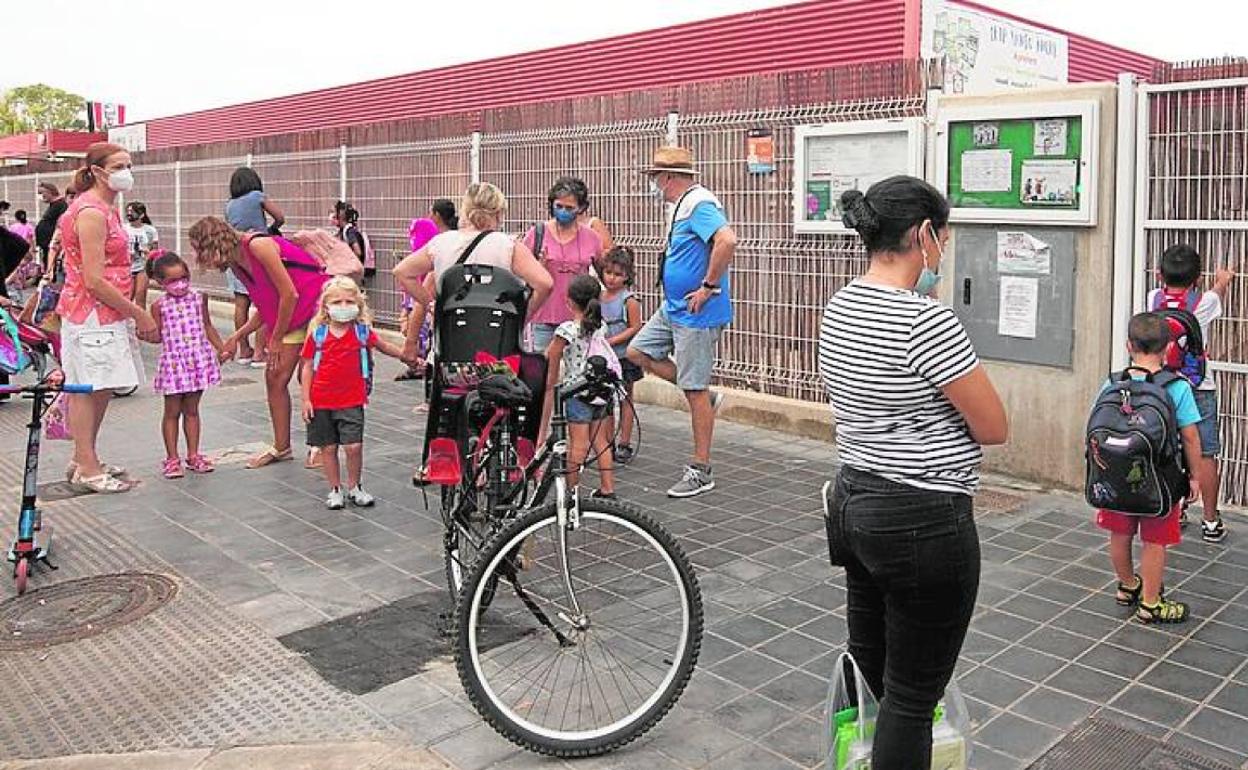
x=678, y=342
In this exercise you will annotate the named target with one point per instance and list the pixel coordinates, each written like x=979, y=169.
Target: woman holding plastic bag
x=913, y=406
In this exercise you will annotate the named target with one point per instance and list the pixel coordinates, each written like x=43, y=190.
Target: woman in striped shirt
x=913, y=406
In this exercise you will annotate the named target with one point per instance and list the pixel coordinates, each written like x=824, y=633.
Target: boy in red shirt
x=337, y=372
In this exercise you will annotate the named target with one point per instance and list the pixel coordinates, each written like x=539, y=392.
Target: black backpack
x=1134, y=456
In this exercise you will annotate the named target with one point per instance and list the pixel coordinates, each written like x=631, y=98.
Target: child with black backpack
x=1189, y=312
x=1142, y=451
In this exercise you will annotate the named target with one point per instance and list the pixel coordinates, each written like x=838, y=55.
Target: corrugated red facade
x=41, y=144
x=808, y=36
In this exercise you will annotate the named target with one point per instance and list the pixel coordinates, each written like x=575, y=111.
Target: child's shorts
x=1207, y=403
x=1163, y=530
x=341, y=427
x=581, y=412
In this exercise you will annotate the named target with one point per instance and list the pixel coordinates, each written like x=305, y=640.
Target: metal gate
x=1192, y=186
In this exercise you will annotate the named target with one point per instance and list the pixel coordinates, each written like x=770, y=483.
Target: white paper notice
x=1049, y=137
x=1050, y=182
x=987, y=171
x=1022, y=253
x=1019, y=306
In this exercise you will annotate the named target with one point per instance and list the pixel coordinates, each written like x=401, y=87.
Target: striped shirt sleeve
x=940, y=350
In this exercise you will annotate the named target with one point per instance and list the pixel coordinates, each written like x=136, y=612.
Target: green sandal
x=1162, y=612
x=1129, y=597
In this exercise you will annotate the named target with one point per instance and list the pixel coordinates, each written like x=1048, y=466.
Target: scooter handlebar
x=73, y=388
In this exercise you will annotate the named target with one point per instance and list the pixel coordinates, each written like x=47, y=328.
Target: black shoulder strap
x=1164, y=377
x=468, y=251
x=539, y=237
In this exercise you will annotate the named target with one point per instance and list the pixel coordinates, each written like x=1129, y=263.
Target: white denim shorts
x=105, y=356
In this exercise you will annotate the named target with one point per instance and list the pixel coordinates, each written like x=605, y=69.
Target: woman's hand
x=145, y=327
x=307, y=411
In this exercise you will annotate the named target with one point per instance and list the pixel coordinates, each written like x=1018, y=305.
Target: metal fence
x=781, y=280
x=1193, y=187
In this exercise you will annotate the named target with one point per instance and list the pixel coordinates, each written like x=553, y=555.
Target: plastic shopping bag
x=849, y=725
x=56, y=421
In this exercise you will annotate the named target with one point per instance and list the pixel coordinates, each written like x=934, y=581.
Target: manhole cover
x=1098, y=745
x=80, y=608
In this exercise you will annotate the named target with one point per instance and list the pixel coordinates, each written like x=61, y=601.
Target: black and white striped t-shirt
x=884, y=354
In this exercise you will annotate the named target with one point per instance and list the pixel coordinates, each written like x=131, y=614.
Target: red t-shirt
x=338, y=382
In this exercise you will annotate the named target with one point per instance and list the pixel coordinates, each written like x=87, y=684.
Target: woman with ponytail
x=99, y=319
x=589, y=422
x=913, y=405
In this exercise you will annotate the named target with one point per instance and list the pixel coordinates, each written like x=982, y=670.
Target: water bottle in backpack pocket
x=1133, y=454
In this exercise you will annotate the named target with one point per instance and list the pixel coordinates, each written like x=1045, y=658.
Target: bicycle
x=33, y=542
x=578, y=572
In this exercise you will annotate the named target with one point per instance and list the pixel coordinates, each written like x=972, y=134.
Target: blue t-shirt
x=246, y=213
x=688, y=258
x=1180, y=391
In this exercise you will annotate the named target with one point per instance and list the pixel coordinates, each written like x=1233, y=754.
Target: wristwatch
x=712, y=288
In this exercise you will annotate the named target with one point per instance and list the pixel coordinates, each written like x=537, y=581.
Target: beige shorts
x=105, y=356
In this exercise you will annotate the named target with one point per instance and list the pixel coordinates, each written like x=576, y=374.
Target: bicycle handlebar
x=596, y=375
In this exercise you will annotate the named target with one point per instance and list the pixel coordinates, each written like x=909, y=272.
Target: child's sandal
x=1129, y=597
x=171, y=468
x=199, y=464
x=1162, y=612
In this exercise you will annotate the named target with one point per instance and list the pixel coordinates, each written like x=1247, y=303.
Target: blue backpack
x=366, y=355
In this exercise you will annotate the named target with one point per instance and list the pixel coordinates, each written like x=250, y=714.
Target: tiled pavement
x=1048, y=645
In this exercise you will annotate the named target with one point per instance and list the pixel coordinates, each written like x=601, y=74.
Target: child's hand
x=229, y=347
x=1193, y=494
x=1223, y=275
x=307, y=412
x=224, y=355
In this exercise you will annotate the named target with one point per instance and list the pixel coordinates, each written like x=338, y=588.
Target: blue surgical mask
x=564, y=216
x=928, y=278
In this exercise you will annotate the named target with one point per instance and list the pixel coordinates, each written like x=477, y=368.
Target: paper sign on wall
x=1020, y=297
x=1019, y=252
x=1049, y=182
x=1049, y=137
x=987, y=170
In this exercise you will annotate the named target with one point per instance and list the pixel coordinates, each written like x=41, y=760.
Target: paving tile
x=750, y=669
x=1026, y=664
x=980, y=647
x=708, y=691
x=985, y=758
x=1221, y=635
x=1233, y=698
x=1182, y=681
x=794, y=648
x=1206, y=586
x=1085, y=576
x=798, y=690
x=754, y=757
x=692, y=740
x=1148, y=640
x=1152, y=705
x=798, y=740
x=748, y=630
x=1033, y=608
x=1206, y=749
x=1087, y=683
x=789, y=613
x=751, y=716
x=1016, y=736
x=1115, y=660
x=1053, y=708
x=1233, y=615
x=475, y=748
x=1086, y=623
x=990, y=595
x=993, y=687
x=1003, y=625
x=1201, y=656
x=716, y=648
x=1220, y=728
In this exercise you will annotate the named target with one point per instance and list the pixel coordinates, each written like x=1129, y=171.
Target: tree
x=38, y=107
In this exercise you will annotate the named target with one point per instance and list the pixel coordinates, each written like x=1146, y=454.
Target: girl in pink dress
x=189, y=363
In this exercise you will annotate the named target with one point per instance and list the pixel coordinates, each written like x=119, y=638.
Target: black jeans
x=911, y=561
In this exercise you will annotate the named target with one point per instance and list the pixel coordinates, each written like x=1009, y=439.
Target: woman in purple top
x=568, y=249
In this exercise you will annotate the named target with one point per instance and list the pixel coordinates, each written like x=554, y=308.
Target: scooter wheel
x=125, y=392
x=20, y=574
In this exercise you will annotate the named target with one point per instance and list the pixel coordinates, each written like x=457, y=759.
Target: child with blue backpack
x=1143, y=456
x=337, y=379
x=1182, y=302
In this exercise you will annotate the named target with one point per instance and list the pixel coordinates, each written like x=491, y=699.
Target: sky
x=160, y=57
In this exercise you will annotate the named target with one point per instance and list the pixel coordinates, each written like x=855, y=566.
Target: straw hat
x=672, y=160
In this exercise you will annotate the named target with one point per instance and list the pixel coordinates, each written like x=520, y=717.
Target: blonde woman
x=476, y=242
x=337, y=370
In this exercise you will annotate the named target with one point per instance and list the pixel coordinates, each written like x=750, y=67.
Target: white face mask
x=121, y=180
x=344, y=313
x=655, y=190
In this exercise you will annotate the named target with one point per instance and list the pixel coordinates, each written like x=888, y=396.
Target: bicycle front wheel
x=573, y=686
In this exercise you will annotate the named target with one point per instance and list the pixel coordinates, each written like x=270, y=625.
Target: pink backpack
x=335, y=255
x=598, y=346
x=306, y=272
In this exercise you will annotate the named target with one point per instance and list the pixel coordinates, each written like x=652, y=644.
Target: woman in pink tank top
x=261, y=262
x=98, y=319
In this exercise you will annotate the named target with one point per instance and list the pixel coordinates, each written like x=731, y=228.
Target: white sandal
x=112, y=470
x=101, y=484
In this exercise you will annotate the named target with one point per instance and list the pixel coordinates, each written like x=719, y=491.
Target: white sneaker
x=360, y=498
x=334, y=501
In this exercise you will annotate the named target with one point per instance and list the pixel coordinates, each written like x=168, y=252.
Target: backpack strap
x=318, y=339
x=539, y=237
x=361, y=334
x=1191, y=300
x=475, y=242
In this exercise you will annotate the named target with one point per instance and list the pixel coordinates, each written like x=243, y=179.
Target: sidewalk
x=293, y=624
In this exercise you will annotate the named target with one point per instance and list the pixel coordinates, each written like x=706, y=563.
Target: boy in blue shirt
x=1147, y=337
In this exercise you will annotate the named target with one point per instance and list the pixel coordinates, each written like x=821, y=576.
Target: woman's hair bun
x=857, y=214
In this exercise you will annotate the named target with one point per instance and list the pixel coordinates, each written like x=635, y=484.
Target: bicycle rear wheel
x=558, y=686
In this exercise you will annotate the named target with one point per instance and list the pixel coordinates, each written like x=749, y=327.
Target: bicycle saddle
x=504, y=390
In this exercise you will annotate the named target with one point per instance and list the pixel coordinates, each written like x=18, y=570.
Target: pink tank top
x=77, y=303
x=305, y=272
x=564, y=261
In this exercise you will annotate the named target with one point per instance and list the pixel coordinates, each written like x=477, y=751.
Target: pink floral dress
x=188, y=363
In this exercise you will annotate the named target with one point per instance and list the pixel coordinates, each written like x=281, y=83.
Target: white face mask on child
x=344, y=313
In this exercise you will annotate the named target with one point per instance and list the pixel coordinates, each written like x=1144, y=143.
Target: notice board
x=1020, y=162
x=1014, y=292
